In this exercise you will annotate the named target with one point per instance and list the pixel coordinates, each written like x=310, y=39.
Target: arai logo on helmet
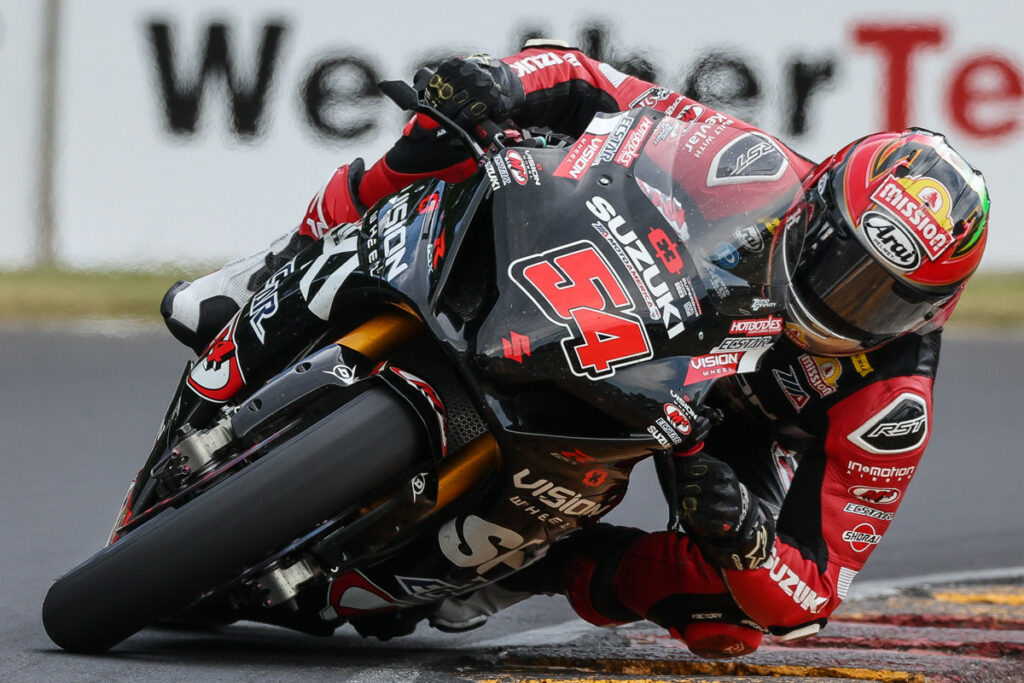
x=891, y=241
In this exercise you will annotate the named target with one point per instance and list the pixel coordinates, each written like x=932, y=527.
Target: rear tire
x=165, y=564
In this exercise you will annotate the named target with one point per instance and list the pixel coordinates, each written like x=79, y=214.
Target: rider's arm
x=562, y=89
x=840, y=505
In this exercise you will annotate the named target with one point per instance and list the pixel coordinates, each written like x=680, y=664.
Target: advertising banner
x=198, y=130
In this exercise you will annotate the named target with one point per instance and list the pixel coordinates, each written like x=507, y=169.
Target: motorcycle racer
x=783, y=508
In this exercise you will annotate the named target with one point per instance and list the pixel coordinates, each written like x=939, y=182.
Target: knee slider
x=718, y=640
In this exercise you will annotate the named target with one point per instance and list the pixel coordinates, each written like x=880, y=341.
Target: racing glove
x=475, y=89
x=733, y=527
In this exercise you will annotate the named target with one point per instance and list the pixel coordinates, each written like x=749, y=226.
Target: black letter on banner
x=804, y=79
x=182, y=94
x=334, y=85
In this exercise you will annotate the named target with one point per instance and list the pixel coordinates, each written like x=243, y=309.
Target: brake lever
x=407, y=97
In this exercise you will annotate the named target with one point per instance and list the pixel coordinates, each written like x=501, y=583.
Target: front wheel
x=168, y=562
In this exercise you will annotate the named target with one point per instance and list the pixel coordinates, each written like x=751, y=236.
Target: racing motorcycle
x=422, y=402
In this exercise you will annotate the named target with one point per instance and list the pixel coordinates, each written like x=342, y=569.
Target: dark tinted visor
x=847, y=290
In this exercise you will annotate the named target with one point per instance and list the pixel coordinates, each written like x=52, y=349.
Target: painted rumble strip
x=938, y=629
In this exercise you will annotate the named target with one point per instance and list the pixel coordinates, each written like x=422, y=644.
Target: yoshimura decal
x=899, y=427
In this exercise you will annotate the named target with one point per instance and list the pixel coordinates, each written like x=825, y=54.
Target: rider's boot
x=196, y=311
x=455, y=615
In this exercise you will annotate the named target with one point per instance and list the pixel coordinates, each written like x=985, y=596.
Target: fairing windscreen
x=744, y=233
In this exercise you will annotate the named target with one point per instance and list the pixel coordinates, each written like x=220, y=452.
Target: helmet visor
x=846, y=291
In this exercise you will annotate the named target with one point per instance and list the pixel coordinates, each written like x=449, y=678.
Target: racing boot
x=455, y=615
x=195, y=312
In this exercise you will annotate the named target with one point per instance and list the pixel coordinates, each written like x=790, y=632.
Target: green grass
x=991, y=300
x=48, y=294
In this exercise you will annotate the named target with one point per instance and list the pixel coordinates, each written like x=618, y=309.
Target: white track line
x=886, y=587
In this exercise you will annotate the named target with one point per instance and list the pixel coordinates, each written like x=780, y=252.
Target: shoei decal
x=890, y=241
x=899, y=427
x=217, y=376
x=749, y=158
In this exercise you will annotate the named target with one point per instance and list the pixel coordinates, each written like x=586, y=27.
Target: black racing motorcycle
x=422, y=402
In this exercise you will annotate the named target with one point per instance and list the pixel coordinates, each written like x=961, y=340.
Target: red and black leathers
x=858, y=425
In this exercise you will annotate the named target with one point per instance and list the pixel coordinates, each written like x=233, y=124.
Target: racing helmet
x=896, y=226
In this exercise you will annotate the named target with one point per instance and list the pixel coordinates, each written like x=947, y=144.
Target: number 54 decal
x=574, y=286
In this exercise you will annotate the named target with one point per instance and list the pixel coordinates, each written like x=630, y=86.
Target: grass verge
x=991, y=300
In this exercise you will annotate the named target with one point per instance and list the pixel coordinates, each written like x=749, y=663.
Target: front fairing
x=600, y=281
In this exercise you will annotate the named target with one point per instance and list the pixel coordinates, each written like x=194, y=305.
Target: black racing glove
x=470, y=90
x=733, y=528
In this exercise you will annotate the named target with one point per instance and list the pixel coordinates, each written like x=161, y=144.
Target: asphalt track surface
x=79, y=408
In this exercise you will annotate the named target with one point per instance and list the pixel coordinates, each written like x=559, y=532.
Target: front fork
x=374, y=340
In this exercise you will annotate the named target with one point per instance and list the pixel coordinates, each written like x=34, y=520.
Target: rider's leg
x=196, y=311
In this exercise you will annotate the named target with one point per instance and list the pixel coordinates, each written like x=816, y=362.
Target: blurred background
x=147, y=132
x=143, y=138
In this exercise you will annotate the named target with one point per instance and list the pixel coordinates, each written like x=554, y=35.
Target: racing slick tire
x=168, y=562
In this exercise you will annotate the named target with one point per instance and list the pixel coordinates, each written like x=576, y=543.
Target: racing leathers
x=828, y=444
x=857, y=426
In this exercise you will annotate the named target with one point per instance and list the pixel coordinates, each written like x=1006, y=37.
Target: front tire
x=165, y=564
